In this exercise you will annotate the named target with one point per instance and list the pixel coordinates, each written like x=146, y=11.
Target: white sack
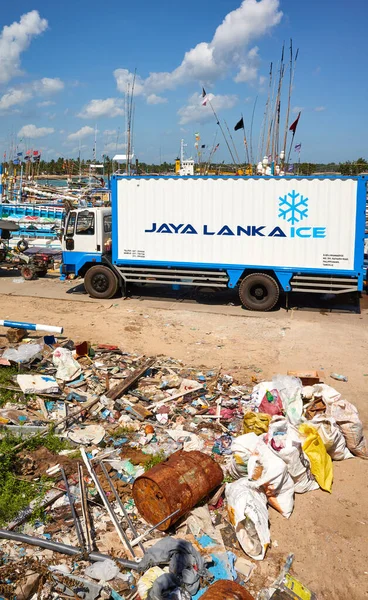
x=242, y=447
x=248, y=513
x=283, y=439
x=268, y=472
x=290, y=390
x=332, y=437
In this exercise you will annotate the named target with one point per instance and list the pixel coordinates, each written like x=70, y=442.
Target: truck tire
x=259, y=291
x=101, y=282
x=28, y=272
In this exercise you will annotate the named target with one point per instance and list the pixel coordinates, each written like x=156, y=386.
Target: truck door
x=81, y=232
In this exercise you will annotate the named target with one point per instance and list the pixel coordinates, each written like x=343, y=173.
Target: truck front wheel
x=101, y=282
x=259, y=291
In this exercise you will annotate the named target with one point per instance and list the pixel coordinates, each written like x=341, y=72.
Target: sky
x=65, y=68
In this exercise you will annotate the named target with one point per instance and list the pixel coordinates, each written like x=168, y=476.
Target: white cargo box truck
x=260, y=235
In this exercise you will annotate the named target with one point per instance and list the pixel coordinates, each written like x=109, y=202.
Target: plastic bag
x=332, y=437
x=248, y=514
x=268, y=473
x=271, y=403
x=103, y=570
x=259, y=391
x=23, y=353
x=320, y=461
x=146, y=581
x=242, y=448
x=256, y=422
x=290, y=390
x=347, y=418
x=283, y=439
x=67, y=368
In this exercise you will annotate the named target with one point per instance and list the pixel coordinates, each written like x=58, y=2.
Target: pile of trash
x=155, y=477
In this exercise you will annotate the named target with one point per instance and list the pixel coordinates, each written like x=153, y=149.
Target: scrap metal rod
x=120, y=531
x=77, y=524
x=141, y=537
x=63, y=548
x=121, y=505
x=85, y=511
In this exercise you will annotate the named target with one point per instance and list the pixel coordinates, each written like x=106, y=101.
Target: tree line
x=68, y=167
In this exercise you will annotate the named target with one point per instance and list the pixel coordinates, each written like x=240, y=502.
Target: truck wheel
x=101, y=282
x=259, y=291
x=28, y=272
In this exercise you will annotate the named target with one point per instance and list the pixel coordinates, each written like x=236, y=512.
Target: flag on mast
x=294, y=125
x=298, y=147
x=204, y=97
x=239, y=125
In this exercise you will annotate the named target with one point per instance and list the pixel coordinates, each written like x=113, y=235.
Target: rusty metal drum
x=176, y=484
x=226, y=590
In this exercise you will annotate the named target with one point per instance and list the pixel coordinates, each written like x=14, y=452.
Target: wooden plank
x=120, y=388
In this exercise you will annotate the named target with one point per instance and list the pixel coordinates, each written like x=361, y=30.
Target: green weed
x=154, y=460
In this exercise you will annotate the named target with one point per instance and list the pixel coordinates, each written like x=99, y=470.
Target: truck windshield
x=85, y=224
x=107, y=223
x=71, y=223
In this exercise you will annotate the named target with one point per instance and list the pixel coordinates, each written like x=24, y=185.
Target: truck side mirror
x=69, y=243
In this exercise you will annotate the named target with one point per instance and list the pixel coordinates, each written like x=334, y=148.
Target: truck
x=260, y=235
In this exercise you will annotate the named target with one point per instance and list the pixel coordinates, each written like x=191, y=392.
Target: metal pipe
x=85, y=511
x=141, y=537
x=121, y=505
x=63, y=548
x=120, y=531
x=77, y=524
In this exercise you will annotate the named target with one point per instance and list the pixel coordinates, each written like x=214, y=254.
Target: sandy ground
x=326, y=532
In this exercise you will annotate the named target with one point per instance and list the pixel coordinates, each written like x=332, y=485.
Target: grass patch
x=121, y=432
x=6, y=379
x=16, y=494
x=154, y=460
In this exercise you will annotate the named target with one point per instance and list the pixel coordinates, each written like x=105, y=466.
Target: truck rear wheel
x=259, y=291
x=101, y=282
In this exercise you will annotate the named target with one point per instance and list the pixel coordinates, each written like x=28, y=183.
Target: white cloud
x=81, y=133
x=24, y=93
x=113, y=147
x=110, y=107
x=15, y=39
x=45, y=103
x=249, y=69
x=13, y=97
x=297, y=109
x=209, y=61
x=319, y=108
x=47, y=85
x=195, y=112
x=31, y=131
x=110, y=132
x=153, y=99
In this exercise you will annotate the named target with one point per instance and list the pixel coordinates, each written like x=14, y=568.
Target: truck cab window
x=85, y=224
x=71, y=223
x=107, y=222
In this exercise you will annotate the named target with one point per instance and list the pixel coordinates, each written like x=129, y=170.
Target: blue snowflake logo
x=293, y=207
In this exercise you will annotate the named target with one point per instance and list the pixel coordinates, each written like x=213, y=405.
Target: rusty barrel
x=226, y=590
x=178, y=483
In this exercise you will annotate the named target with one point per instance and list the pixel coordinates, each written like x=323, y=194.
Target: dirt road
x=327, y=533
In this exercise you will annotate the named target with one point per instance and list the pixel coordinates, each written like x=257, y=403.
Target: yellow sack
x=256, y=422
x=320, y=461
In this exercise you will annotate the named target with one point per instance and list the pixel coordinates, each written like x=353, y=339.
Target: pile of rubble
x=159, y=482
